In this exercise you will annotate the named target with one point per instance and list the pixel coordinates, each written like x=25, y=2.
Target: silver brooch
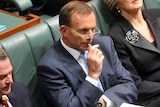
x=132, y=36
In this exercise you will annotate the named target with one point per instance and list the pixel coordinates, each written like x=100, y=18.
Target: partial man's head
x=5, y=73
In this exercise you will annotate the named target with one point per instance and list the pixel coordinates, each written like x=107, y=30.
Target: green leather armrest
x=23, y=4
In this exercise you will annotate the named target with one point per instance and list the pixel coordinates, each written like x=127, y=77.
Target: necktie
x=84, y=65
x=4, y=102
x=84, y=62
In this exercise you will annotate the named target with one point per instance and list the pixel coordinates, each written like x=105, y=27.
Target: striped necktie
x=84, y=61
x=4, y=102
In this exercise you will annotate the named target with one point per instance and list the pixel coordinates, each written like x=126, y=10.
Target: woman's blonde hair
x=111, y=3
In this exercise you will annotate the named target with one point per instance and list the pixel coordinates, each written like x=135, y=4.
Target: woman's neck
x=140, y=24
x=135, y=18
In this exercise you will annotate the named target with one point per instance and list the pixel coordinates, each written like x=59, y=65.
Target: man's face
x=80, y=33
x=5, y=76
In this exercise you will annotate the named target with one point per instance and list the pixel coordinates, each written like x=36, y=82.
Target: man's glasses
x=95, y=33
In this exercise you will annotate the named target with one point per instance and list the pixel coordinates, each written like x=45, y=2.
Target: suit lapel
x=11, y=97
x=69, y=62
x=142, y=42
x=76, y=70
x=153, y=18
x=155, y=28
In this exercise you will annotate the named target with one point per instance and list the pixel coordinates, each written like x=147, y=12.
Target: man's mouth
x=134, y=1
x=6, y=88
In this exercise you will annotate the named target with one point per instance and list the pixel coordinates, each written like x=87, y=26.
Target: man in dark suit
x=65, y=79
x=17, y=94
x=49, y=7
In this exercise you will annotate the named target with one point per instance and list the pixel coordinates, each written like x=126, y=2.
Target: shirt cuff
x=108, y=101
x=92, y=81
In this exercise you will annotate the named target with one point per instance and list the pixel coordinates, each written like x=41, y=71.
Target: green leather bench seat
x=150, y=4
x=53, y=24
x=26, y=48
x=23, y=5
x=40, y=39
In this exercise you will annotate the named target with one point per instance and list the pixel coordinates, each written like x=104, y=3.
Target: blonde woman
x=136, y=35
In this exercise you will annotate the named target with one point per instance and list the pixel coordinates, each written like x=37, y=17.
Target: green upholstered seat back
x=150, y=4
x=53, y=24
x=40, y=39
x=23, y=5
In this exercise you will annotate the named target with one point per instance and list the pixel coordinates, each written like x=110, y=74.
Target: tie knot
x=4, y=98
x=4, y=101
x=82, y=54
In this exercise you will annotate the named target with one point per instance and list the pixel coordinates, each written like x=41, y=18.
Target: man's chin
x=6, y=90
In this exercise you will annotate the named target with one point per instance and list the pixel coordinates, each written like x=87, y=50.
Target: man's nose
x=90, y=32
x=9, y=78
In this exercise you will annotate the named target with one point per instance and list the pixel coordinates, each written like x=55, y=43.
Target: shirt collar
x=75, y=53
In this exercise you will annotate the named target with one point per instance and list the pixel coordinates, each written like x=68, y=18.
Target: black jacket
x=20, y=96
x=49, y=7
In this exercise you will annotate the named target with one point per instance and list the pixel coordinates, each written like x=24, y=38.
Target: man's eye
x=2, y=77
x=83, y=31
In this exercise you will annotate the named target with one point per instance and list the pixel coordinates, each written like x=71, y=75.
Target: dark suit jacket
x=49, y=7
x=63, y=80
x=141, y=58
x=20, y=96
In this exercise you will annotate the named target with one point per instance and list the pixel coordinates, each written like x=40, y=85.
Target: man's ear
x=63, y=30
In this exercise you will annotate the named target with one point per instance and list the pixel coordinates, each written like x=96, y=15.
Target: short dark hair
x=3, y=54
x=66, y=12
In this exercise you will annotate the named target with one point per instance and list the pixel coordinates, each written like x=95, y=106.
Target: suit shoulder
x=100, y=39
x=103, y=41
x=50, y=54
x=17, y=85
